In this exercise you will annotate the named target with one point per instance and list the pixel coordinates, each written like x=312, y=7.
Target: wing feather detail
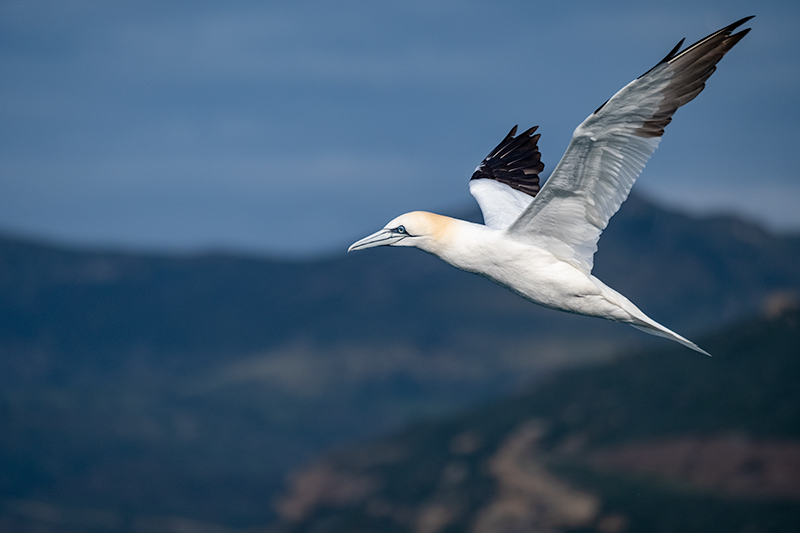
x=610, y=148
x=508, y=178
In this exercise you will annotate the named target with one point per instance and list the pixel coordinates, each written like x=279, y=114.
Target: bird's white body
x=539, y=242
x=527, y=270
x=530, y=271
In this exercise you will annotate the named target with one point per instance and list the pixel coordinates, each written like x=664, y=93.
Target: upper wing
x=508, y=178
x=610, y=148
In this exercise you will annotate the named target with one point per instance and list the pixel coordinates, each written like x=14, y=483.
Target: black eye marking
x=400, y=229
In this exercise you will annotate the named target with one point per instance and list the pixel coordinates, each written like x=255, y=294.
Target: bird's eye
x=400, y=229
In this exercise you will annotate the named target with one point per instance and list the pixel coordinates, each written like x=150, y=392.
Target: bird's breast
x=532, y=272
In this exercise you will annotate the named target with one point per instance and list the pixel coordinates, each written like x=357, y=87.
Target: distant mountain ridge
x=212, y=375
x=688, y=272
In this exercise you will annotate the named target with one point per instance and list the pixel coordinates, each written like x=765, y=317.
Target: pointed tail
x=641, y=321
x=654, y=328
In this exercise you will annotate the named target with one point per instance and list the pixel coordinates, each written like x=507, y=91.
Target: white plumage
x=540, y=244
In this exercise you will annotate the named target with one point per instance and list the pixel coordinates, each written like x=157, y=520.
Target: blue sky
x=299, y=127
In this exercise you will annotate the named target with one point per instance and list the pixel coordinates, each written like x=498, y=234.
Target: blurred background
x=185, y=346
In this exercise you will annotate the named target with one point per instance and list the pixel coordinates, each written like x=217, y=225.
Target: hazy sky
x=299, y=127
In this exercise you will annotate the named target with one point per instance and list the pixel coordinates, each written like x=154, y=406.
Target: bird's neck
x=452, y=240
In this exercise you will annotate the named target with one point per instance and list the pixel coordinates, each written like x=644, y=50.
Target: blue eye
x=400, y=229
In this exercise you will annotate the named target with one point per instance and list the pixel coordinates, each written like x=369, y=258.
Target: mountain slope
x=654, y=442
x=159, y=385
x=108, y=308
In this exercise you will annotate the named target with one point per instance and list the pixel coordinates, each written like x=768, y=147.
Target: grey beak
x=384, y=237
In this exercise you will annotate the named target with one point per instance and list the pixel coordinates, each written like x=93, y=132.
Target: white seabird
x=540, y=244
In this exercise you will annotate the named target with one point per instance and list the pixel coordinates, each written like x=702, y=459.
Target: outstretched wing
x=507, y=180
x=611, y=147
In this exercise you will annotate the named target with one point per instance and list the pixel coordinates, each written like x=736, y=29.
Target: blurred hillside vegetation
x=156, y=392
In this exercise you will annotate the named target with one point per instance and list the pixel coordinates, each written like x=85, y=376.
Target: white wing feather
x=611, y=147
x=500, y=204
x=594, y=177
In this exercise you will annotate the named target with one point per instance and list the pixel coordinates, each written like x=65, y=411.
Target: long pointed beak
x=383, y=237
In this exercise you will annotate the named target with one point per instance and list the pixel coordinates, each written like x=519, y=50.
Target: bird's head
x=418, y=228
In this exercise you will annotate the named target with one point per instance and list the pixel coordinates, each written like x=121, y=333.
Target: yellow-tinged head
x=418, y=228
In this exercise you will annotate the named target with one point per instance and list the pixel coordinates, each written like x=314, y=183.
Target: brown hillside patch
x=733, y=464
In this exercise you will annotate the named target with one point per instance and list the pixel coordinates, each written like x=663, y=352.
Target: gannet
x=539, y=242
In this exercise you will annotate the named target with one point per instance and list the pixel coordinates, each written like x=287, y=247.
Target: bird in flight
x=539, y=241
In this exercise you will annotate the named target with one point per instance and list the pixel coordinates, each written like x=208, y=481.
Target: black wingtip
x=730, y=27
x=672, y=53
x=739, y=23
x=515, y=162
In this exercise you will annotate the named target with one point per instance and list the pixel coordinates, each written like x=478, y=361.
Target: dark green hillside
x=156, y=385
x=105, y=311
x=522, y=464
x=750, y=385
